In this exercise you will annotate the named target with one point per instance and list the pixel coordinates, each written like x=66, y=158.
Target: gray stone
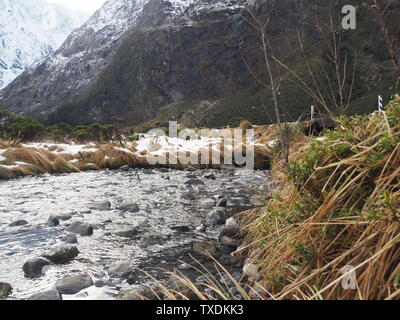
x=99, y=283
x=229, y=242
x=231, y=224
x=194, y=182
x=209, y=175
x=62, y=254
x=33, y=267
x=53, y=222
x=101, y=206
x=125, y=168
x=204, y=248
x=222, y=203
x=63, y=217
x=129, y=207
x=5, y=290
x=18, y=223
x=150, y=239
x=188, y=196
x=49, y=295
x=120, y=270
x=127, y=231
x=70, y=238
x=251, y=271
x=81, y=228
x=75, y=283
x=137, y=293
x=216, y=217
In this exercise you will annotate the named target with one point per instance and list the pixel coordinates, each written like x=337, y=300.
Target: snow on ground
x=1, y=152
x=17, y=164
x=72, y=149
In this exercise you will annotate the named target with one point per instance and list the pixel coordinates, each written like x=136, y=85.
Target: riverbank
x=331, y=230
x=31, y=159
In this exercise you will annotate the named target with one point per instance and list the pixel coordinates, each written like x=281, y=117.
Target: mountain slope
x=30, y=30
x=188, y=59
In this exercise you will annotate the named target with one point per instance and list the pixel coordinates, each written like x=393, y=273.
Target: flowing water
x=162, y=207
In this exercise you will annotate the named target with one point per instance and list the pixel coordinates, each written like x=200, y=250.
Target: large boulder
x=33, y=267
x=62, y=254
x=5, y=290
x=75, y=283
x=49, y=295
x=81, y=228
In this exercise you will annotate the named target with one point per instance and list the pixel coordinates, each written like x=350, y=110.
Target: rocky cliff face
x=134, y=57
x=31, y=30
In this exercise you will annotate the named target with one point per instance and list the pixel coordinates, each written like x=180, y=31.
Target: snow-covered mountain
x=30, y=30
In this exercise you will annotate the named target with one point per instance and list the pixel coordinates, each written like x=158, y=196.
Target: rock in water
x=124, y=168
x=81, y=228
x=62, y=254
x=75, y=283
x=120, y=270
x=63, y=217
x=129, y=207
x=150, y=239
x=209, y=175
x=53, y=222
x=216, y=217
x=50, y=295
x=33, y=268
x=127, y=231
x=5, y=290
x=102, y=206
x=70, y=238
x=222, y=203
x=231, y=224
x=194, y=182
x=18, y=223
x=204, y=248
x=229, y=242
x=188, y=196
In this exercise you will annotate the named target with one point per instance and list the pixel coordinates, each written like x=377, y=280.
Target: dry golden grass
x=338, y=206
x=343, y=212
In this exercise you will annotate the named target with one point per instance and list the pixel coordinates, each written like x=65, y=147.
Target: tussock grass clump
x=339, y=207
x=23, y=161
x=107, y=156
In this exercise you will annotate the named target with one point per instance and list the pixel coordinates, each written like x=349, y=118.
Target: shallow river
x=162, y=206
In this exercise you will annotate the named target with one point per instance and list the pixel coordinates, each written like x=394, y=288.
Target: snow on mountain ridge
x=30, y=30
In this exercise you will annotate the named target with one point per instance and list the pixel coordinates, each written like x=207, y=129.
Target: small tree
x=273, y=80
x=96, y=131
x=381, y=11
x=117, y=126
x=4, y=116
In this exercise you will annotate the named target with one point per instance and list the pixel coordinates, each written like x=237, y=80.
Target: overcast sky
x=82, y=5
